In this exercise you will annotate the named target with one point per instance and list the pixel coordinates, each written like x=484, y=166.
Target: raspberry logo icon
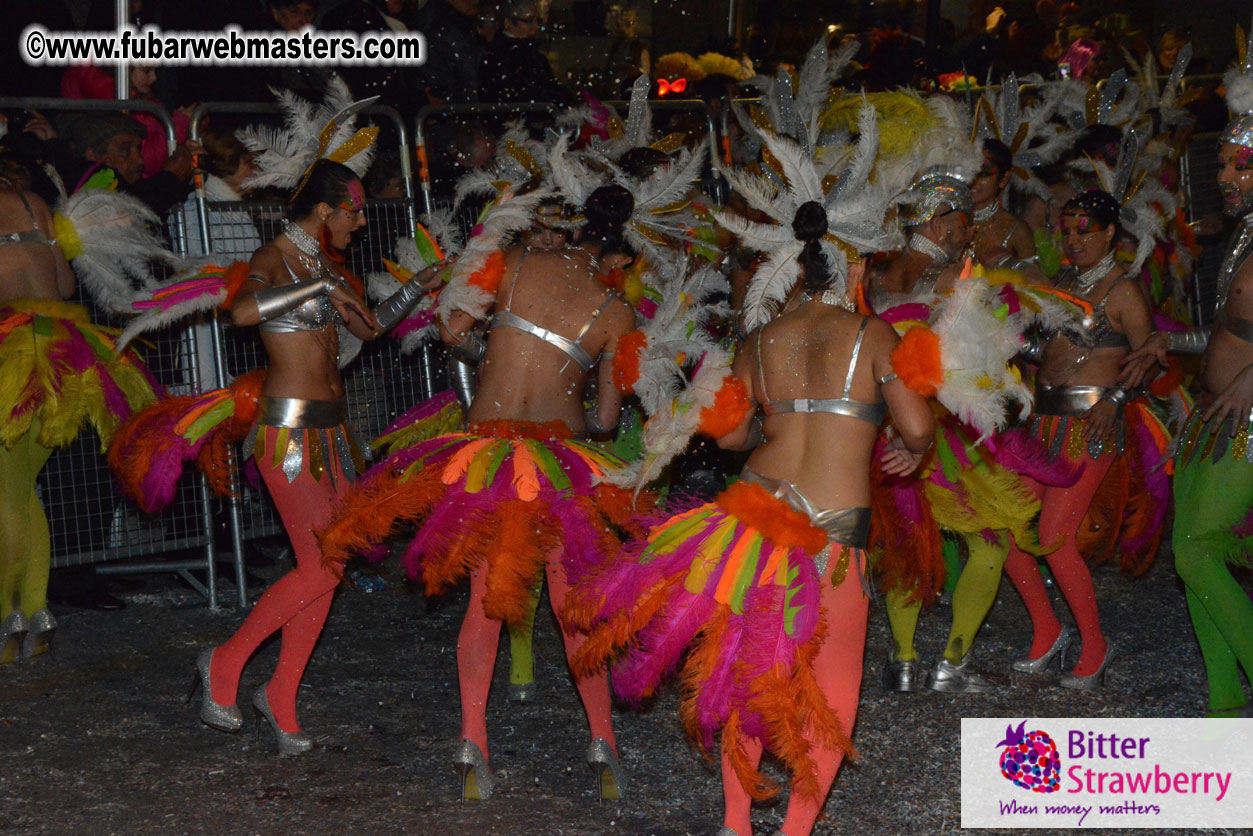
x=1030, y=759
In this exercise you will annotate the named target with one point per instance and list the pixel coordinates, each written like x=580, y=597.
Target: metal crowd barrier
x=89, y=520
x=1198, y=172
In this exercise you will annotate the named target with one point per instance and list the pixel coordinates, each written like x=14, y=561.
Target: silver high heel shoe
x=43, y=626
x=225, y=718
x=726, y=831
x=12, y=634
x=602, y=761
x=289, y=743
x=522, y=691
x=1060, y=645
x=1092, y=681
x=477, y=780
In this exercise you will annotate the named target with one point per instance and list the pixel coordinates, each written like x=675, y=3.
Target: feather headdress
x=795, y=111
x=1166, y=101
x=855, y=208
x=310, y=133
x=1144, y=200
x=519, y=161
x=659, y=217
x=1031, y=138
x=1239, y=83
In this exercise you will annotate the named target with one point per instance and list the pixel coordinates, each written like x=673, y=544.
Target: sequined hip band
x=300, y=413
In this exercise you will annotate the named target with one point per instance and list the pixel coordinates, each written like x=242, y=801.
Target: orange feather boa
x=732, y=404
x=916, y=360
x=777, y=521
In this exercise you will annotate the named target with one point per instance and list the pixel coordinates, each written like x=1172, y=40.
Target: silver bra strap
x=575, y=351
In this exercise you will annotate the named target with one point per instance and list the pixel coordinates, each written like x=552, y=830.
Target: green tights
x=972, y=599
x=25, y=545
x=1210, y=499
x=521, y=657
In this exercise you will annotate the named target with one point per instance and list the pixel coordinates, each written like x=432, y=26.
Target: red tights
x=838, y=670
x=297, y=602
x=476, y=661
x=1061, y=513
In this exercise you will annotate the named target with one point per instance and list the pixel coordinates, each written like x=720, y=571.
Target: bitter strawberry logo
x=1030, y=759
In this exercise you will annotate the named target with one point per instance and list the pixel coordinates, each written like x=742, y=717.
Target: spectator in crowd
x=514, y=69
x=92, y=82
x=106, y=140
x=454, y=50
x=1168, y=47
x=227, y=164
x=396, y=86
x=307, y=81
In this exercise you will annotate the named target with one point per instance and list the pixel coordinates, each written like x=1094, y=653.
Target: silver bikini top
x=844, y=405
x=313, y=315
x=26, y=236
x=570, y=347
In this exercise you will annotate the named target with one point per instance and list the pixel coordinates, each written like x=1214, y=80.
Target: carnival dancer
x=1087, y=416
x=304, y=449
x=938, y=230
x=296, y=291
x=506, y=500
x=766, y=583
x=974, y=492
x=1213, y=486
x=58, y=373
x=1000, y=238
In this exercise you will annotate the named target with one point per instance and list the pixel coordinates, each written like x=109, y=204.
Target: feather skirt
x=728, y=591
x=973, y=488
x=150, y=449
x=57, y=365
x=1128, y=513
x=500, y=496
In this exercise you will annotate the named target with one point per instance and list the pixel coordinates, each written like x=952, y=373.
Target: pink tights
x=297, y=602
x=1061, y=513
x=476, y=661
x=838, y=670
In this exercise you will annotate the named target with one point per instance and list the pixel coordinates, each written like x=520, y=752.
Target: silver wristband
x=397, y=306
x=1119, y=396
x=471, y=349
x=1032, y=347
x=591, y=419
x=464, y=380
x=276, y=301
x=1192, y=341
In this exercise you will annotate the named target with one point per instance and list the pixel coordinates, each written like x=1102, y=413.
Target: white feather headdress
x=855, y=208
x=309, y=133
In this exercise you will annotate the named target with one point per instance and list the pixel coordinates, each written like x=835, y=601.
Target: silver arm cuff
x=1192, y=341
x=276, y=301
x=1119, y=396
x=1032, y=347
x=591, y=418
x=471, y=349
x=464, y=379
x=397, y=306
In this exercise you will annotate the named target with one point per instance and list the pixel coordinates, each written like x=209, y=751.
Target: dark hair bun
x=810, y=222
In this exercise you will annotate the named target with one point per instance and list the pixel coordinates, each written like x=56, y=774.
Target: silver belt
x=299, y=412
x=1066, y=400
x=849, y=526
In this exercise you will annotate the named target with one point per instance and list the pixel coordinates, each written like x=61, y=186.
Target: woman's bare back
x=524, y=378
x=30, y=270
x=806, y=354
